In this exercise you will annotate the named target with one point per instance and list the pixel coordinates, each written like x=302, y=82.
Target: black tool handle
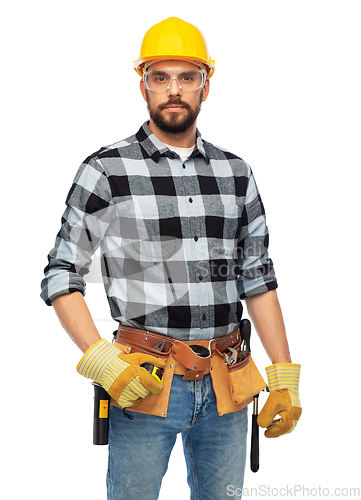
x=255, y=445
x=245, y=328
x=101, y=415
x=246, y=333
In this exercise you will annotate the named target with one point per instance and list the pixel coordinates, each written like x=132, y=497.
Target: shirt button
x=190, y=200
x=184, y=166
x=200, y=278
x=196, y=238
x=204, y=317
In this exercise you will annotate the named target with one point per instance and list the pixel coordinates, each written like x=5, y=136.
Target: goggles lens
x=160, y=81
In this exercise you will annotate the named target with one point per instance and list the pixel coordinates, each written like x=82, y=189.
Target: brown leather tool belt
x=187, y=362
x=234, y=386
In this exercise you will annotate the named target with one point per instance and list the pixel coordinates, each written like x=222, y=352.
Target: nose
x=174, y=88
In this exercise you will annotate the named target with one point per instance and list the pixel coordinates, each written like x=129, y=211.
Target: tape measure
x=156, y=372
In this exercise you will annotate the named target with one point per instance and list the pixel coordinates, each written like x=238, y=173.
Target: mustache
x=176, y=101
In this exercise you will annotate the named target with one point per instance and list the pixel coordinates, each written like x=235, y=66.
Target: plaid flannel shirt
x=181, y=242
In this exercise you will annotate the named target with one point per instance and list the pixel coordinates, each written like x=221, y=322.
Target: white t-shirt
x=184, y=153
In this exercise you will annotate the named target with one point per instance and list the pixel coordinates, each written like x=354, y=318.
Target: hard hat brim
x=139, y=63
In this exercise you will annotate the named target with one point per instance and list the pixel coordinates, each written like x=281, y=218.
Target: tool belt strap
x=187, y=363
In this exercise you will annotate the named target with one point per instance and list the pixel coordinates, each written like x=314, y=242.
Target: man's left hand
x=283, y=382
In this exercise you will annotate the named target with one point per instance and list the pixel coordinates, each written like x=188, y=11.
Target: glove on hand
x=120, y=374
x=283, y=381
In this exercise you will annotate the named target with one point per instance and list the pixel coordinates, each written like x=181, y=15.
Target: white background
x=286, y=98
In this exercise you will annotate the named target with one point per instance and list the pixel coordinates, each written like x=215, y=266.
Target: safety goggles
x=161, y=80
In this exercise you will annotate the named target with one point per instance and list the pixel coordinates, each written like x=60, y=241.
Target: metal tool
x=243, y=351
x=235, y=356
x=231, y=359
x=159, y=346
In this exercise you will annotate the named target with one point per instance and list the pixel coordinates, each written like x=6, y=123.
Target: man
x=183, y=236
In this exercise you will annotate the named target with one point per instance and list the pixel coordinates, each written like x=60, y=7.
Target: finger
x=277, y=402
x=267, y=414
x=149, y=382
x=138, y=358
x=280, y=426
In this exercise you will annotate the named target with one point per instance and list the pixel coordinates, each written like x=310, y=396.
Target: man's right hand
x=120, y=374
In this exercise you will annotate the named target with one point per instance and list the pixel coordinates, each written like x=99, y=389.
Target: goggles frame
x=145, y=80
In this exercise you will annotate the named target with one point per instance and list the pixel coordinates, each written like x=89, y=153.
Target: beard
x=175, y=124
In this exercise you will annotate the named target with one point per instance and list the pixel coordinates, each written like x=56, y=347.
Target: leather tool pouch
x=245, y=380
x=235, y=385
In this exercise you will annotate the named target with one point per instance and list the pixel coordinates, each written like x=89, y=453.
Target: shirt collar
x=153, y=148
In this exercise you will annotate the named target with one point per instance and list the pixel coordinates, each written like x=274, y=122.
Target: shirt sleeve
x=257, y=273
x=79, y=236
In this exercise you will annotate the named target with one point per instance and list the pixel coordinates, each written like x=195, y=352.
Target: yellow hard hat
x=174, y=39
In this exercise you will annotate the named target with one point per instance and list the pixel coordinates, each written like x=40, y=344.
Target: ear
x=143, y=90
x=206, y=90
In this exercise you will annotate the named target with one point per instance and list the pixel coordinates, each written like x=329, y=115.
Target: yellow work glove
x=283, y=381
x=120, y=374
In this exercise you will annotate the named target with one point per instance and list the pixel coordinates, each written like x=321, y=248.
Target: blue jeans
x=214, y=446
